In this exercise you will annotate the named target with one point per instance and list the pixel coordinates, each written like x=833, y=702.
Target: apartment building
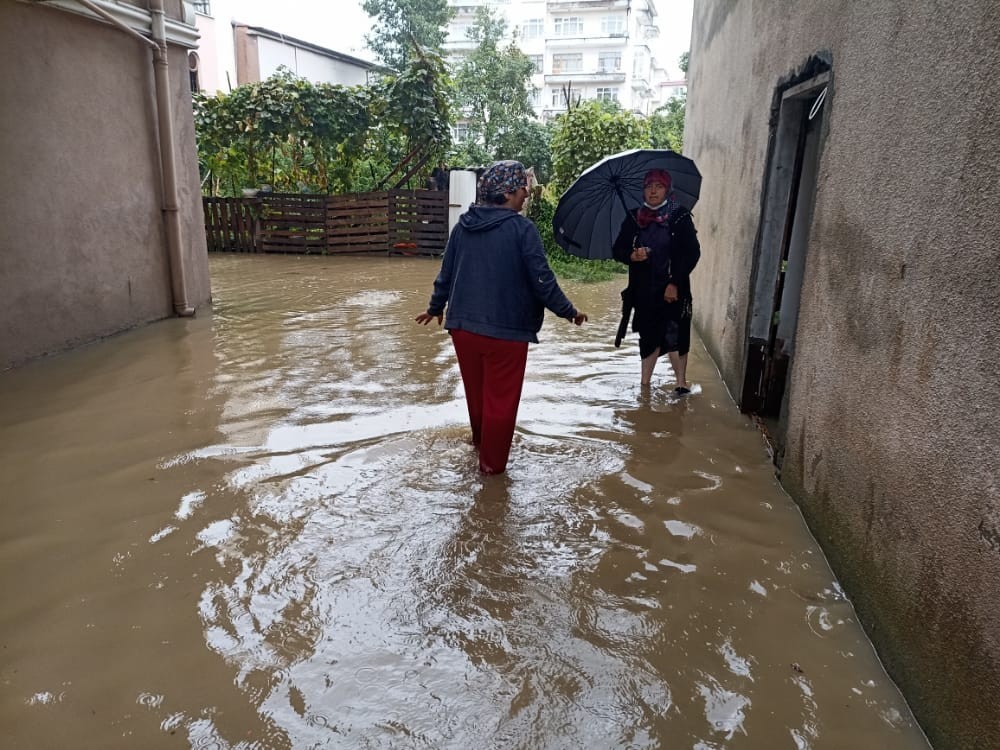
x=582, y=49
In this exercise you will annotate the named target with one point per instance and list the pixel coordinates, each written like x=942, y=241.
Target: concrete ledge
x=178, y=32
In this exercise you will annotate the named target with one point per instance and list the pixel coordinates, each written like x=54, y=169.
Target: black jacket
x=675, y=251
x=679, y=252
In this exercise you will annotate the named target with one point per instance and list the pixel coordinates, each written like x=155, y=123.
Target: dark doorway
x=781, y=250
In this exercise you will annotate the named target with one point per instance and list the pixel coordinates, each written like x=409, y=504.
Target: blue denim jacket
x=495, y=279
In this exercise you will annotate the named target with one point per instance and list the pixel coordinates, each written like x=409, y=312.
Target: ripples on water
x=323, y=543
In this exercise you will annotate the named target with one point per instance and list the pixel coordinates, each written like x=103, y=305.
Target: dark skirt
x=666, y=327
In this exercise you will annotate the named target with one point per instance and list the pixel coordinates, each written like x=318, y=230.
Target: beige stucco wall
x=892, y=444
x=82, y=248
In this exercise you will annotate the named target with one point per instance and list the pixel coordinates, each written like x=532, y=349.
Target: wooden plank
x=213, y=235
x=293, y=233
x=365, y=220
x=362, y=250
x=286, y=238
x=369, y=199
x=246, y=217
x=206, y=209
x=372, y=212
x=238, y=214
x=232, y=209
x=357, y=227
x=220, y=243
x=338, y=229
x=357, y=210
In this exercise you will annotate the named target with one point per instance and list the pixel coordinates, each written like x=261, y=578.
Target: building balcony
x=467, y=7
x=605, y=40
x=593, y=76
x=458, y=46
x=562, y=6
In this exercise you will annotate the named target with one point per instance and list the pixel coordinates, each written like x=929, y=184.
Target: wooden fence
x=412, y=222
x=231, y=224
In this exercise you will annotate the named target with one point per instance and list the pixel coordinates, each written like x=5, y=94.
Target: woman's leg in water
x=679, y=362
x=647, y=366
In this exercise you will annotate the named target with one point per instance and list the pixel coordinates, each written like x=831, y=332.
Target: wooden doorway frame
x=780, y=252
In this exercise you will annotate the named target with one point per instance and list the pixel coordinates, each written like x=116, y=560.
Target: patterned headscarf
x=503, y=177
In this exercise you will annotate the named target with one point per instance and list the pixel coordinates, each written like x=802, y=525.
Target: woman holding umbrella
x=659, y=244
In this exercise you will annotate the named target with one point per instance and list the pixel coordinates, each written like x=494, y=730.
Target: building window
x=534, y=28
x=559, y=97
x=569, y=26
x=640, y=65
x=609, y=62
x=538, y=61
x=461, y=132
x=613, y=26
x=459, y=32
x=608, y=94
x=568, y=62
x=193, y=72
x=203, y=6
x=535, y=97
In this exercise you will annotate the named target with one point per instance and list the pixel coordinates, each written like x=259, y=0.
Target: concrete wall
x=310, y=65
x=247, y=55
x=258, y=57
x=211, y=72
x=893, y=412
x=82, y=247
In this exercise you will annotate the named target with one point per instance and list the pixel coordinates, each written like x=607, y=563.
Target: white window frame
x=641, y=64
x=568, y=26
x=567, y=62
x=533, y=28
x=608, y=93
x=558, y=102
x=614, y=57
x=613, y=25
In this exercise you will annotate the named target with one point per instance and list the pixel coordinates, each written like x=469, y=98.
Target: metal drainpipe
x=168, y=166
x=171, y=212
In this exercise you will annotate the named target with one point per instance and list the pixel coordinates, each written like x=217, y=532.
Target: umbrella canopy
x=592, y=210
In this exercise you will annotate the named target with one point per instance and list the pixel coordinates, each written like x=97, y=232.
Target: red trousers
x=493, y=373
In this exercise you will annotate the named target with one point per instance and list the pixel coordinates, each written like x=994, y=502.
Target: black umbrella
x=592, y=210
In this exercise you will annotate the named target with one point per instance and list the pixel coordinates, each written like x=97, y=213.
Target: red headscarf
x=661, y=176
x=646, y=215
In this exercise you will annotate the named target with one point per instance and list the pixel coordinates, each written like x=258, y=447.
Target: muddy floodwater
x=264, y=528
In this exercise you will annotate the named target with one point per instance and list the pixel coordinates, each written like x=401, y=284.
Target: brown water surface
x=264, y=528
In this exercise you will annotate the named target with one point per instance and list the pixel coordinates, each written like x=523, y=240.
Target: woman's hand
x=639, y=254
x=580, y=318
x=670, y=295
x=425, y=318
